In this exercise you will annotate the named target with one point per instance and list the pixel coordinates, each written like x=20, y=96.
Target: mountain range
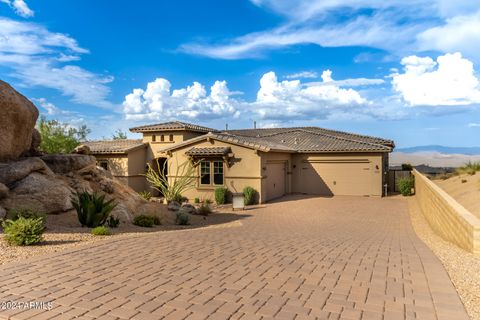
x=441, y=149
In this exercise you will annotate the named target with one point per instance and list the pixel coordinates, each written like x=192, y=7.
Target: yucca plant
x=92, y=209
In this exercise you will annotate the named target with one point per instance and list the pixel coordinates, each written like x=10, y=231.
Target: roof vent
x=283, y=141
x=296, y=141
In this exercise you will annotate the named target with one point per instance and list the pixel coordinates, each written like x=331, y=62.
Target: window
x=211, y=172
x=103, y=164
x=154, y=138
x=205, y=172
x=171, y=137
x=218, y=172
x=162, y=138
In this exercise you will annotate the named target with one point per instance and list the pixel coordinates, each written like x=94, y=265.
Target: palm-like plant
x=184, y=179
x=92, y=209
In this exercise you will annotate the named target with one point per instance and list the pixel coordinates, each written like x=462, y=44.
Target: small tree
x=60, y=137
x=182, y=180
x=119, y=135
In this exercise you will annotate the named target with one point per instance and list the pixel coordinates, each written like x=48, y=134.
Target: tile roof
x=209, y=151
x=119, y=146
x=273, y=131
x=172, y=126
x=298, y=140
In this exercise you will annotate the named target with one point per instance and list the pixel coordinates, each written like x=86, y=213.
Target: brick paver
x=301, y=258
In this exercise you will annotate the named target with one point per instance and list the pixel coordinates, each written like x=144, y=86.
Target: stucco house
x=278, y=161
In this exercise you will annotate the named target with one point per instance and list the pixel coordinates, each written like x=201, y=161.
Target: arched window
x=171, y=137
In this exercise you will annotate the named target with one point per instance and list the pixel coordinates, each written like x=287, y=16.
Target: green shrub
x=179, y=198
x=204, y=209
x=221, y=195
x=92, y=209
x=405, y=185
x=157, y=221
x=26, y=213
x=197, y=200
x=250, y=196
x=207, y=201
x=182, y=218
x=144, y=221
x=469, y=168
x=407, y=167
x=113, y=222
x=145, y=195
x=101, y=231
x=23, y=231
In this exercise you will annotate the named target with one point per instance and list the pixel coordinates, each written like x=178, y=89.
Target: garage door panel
x=336, y=178
x=275, y=180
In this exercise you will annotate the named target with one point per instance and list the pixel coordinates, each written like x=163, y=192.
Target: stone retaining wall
x=446, y=216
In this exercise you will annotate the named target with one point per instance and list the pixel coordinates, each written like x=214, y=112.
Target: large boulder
x=64, y=163
x=15, y=171
x=17, y=120
x=45, y=193
x=173, y=206
x=188, y=208
x=36, y=141
x=3, y=191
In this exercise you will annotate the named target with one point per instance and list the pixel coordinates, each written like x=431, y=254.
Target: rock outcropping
x=17, y=122
x=46, y=183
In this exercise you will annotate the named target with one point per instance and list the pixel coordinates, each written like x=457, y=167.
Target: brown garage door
x=275, y=180
x=336, y=178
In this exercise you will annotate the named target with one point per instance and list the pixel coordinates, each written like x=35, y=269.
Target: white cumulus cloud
x=158, y=101
x=459, y=33
x=276, y=101
x=448, y=81
x=290, y=99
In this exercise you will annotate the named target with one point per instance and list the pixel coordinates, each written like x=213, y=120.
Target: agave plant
x=92, y=209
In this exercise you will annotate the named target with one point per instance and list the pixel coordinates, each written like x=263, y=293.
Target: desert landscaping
x=465, y=188
x=36, y=184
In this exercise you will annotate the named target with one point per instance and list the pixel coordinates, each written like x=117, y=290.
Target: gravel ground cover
x=462, y=266
x=63, y=232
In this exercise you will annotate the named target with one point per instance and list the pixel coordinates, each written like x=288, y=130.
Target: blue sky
x=406, y=70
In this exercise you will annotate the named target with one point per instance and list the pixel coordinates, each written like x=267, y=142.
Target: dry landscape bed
x=465, y=189
x=63, y=232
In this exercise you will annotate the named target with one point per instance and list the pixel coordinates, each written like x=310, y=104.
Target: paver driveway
x=317, y=258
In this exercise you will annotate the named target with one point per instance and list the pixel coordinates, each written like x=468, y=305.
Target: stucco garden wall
x=446, y=216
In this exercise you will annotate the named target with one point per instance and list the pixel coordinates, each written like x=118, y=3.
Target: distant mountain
x=441, y=149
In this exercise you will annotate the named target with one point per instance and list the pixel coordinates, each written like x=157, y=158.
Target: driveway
x=299, y=258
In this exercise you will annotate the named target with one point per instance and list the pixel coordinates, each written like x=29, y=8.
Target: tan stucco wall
x=275, y=157
x=117, y=163
x=374, y=163
x=244, y=172
x=128, y=167
x=154, y=147
x=446, y=216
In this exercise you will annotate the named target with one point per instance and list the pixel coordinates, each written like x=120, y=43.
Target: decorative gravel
x=64, y=232
x=463, y=267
